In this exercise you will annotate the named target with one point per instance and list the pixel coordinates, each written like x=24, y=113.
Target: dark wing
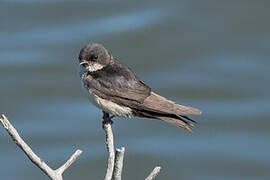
x=160, y=104
x=117, y=83
x=156, y=106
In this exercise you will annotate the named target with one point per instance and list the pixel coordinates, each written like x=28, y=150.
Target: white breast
x=112, y=108
x=106, y=105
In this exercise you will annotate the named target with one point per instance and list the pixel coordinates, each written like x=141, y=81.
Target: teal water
x=207, y=54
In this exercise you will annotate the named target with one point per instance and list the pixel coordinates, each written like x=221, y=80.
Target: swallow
x=116, y=90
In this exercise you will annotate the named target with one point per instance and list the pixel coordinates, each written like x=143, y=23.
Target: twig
x=154, y=173
x=71, y=160
x=118, y=166
x=53, y=174
x=115, y=160
x=107, y=126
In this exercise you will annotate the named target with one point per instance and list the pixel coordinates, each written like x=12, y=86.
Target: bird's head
x=94, y=57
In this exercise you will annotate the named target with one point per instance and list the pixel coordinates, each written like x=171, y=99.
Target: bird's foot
x=107, y=119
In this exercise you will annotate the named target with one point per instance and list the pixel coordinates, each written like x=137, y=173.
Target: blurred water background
x=213, y=55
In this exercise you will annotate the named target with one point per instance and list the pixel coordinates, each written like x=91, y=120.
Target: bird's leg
x=107, y=119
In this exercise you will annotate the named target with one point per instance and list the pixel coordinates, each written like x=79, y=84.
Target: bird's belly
x=112, y=108
x=108, y=106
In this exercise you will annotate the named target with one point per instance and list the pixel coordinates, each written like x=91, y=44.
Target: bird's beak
x=84, y=63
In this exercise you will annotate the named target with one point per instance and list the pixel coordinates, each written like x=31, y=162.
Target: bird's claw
x=107, y=119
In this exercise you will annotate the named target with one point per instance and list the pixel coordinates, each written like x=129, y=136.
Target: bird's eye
x=93, y=57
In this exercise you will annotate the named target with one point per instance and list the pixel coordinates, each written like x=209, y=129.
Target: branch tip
x=121, y=149
x=154, y=173
x=70, y=161
x=4, y=121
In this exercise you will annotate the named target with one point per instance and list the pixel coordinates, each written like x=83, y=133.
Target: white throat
x=92, y=67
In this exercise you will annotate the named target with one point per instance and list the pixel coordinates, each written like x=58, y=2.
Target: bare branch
x=107, y=126
x=69, y=161
x=118, y=166
x=154, y=173
x=115, y=160
x=53, y=174
x=26, y=149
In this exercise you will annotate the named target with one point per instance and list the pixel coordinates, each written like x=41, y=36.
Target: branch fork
x=115, y=156
x=56, y=174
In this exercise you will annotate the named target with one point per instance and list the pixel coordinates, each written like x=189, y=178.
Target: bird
x=117, y=91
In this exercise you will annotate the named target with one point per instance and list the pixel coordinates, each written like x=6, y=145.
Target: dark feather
x=188, y=118
x=118, y=84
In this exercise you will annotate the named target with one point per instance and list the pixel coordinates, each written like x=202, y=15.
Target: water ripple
x=90, y=29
